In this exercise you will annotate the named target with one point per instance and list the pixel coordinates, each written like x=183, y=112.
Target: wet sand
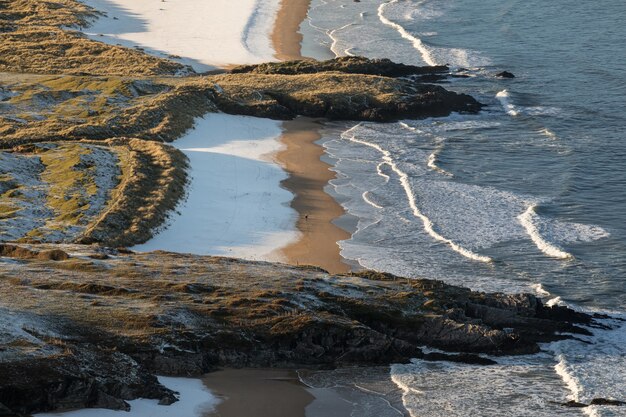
x=286, y=37
x=308, y=176
x=258, y=392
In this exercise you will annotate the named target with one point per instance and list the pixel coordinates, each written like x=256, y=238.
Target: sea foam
x=404, y=180
x=528, y=219
x=416, y=42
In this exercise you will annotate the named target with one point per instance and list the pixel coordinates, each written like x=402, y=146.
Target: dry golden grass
x=152, y=182
x=70, y=189
x=32, y=41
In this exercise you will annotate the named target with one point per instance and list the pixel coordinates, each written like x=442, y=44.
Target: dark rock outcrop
x=595, y=401
x=505, y=74
x=348, y=64
x=85, y=378
x=606, y=401
x=99, y=328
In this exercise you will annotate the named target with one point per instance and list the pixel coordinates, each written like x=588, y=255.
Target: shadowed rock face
x=91, y=329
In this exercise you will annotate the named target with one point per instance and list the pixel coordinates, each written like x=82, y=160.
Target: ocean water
x=528, y=195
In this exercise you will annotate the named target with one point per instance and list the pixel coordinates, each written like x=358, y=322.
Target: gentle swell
x=433, y=158
x=404, y=181
x=416, y=42
x=528, y=220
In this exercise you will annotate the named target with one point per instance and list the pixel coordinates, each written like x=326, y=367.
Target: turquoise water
x=528, y=195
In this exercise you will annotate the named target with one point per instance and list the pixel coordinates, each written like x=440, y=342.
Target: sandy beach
x=286, y=36
x=235, y=205
x=190, y=32
x=308, y=175
x=258, y=392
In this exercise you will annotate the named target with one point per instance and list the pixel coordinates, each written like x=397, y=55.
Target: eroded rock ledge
x=92, y=329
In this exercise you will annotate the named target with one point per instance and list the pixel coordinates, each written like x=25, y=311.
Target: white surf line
x=540, y=290
x=433, y=157
x=527, y=219
x=548, y=133
x=504, y=98
x=381, y=173
x=572, y=383
x=432, y=162
x=333, y=46
x=404, y=181
x=366, y=198
x=416, y=42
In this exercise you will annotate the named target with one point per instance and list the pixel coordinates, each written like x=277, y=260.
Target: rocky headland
x=85, y=326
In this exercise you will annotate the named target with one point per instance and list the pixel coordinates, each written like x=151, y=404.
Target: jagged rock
x=574, y=404
x=185, y=315
x=605, y=401
x=461, y=358
x=347, y=64
x=505, y=74
x=595, y=401
x=338, y=96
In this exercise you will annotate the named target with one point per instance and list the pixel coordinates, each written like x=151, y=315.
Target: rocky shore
x=89, y=327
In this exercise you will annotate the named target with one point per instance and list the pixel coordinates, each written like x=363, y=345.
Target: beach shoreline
x=308, y=174
x=286, y=37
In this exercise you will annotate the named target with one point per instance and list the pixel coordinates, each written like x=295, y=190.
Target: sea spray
x=505, y=100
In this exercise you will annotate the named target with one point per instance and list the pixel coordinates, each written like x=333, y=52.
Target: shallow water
x=527, y=195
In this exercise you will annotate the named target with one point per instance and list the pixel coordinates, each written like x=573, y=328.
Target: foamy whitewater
x=528, y=195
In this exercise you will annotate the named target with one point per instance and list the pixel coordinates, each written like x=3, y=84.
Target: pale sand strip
x=205, y=34
x=308, y=176
x=258, y=393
